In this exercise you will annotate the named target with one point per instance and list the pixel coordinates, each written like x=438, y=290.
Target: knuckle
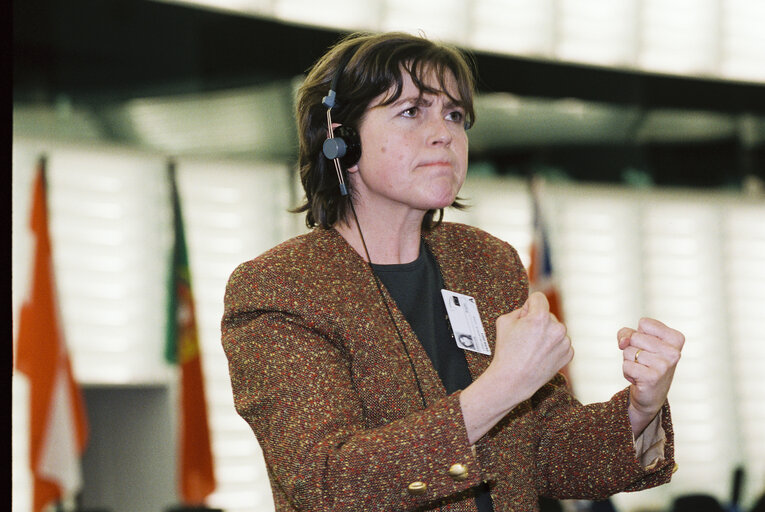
x=643, y=323
x=538, y=316
x=558, y=331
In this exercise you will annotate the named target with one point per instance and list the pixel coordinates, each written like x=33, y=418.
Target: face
x=414, y=151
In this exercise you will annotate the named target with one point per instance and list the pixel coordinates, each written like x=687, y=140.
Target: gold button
x=458, y=472
x=417, y=488
x=675, y=468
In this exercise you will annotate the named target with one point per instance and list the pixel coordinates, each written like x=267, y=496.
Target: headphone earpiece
x=345, y=145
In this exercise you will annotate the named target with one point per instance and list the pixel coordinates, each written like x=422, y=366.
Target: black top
x=416, y=288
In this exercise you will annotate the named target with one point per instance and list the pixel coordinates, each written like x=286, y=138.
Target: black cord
x=387, y=307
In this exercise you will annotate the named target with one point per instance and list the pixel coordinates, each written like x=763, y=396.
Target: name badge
x=466, y=322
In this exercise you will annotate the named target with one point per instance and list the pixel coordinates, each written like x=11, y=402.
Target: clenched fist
x=650, y=356
x=532, y=345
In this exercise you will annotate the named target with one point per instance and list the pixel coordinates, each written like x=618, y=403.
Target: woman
x=343, y=360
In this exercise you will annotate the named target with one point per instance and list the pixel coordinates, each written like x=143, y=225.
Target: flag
x=196, y=477
x=57, y=421
x=541, y=276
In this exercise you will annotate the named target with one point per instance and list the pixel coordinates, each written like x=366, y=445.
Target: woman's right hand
x=532, y=345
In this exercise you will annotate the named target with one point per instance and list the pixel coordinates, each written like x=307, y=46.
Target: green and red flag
x=196, y=477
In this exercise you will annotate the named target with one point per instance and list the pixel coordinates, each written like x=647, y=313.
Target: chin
x=440, y=194
x=449, y=198
x=443, y=202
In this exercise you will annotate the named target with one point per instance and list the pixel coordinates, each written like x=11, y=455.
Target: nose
x=439, y=131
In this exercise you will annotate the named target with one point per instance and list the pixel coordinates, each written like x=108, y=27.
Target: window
x=693, y=259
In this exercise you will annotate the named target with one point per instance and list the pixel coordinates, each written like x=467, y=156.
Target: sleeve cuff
x=649, y=445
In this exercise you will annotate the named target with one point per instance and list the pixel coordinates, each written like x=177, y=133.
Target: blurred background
x=645, y=118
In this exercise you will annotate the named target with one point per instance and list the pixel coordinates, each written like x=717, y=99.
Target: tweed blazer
x=319, y=373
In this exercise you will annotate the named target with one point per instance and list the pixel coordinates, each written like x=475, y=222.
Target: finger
x=623, y=336
x=628, y=374
x=506, y=321
x=662, y=353
x=515, y=314
x=645, y=341
x=638, y=356
x=631, y=370
x=639, y=371
x=651, y=326
x=524, y=310
x=656, y=328
x=565, y=352
x=537, y=303
x=521, y=311
x=569, y=352
x=651, y=343
x=655, y=345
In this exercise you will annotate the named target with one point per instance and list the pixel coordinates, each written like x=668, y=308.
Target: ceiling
x=183, y=80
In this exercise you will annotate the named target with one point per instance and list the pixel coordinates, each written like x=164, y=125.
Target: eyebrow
x=416, y=100
x=421, y=101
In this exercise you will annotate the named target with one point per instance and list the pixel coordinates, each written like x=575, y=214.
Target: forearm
x=348, y=467
x=594, y=440
x=484, y=405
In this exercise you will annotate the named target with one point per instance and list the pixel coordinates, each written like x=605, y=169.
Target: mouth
x=436, y=163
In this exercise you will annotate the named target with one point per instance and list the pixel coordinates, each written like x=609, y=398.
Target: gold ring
x=637, y=354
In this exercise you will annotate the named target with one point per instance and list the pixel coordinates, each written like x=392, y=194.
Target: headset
x=343, y=146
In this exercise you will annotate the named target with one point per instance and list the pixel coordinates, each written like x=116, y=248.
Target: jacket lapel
x=450, y=259
x=372, y=313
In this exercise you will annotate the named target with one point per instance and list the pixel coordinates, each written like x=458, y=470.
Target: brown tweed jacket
x=320, y=375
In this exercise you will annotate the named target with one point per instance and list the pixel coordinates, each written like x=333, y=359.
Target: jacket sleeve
x=294, y=387
x=587, y=451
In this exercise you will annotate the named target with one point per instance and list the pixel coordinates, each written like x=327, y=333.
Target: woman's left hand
x=650, y=356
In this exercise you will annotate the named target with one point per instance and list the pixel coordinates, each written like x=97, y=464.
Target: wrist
x=484, y=403
x=639, y=419
x=503, y=390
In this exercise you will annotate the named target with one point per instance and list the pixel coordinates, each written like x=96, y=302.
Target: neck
x=388, y=240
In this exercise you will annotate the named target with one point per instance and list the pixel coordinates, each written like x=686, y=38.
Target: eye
x=411, y=112
x=456, y=115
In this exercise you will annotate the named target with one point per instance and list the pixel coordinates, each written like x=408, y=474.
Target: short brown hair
x=374, y=66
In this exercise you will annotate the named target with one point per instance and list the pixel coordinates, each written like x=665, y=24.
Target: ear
x=353, y=169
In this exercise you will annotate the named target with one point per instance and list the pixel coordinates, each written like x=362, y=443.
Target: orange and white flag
x=541, y=275
x=58, y=424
